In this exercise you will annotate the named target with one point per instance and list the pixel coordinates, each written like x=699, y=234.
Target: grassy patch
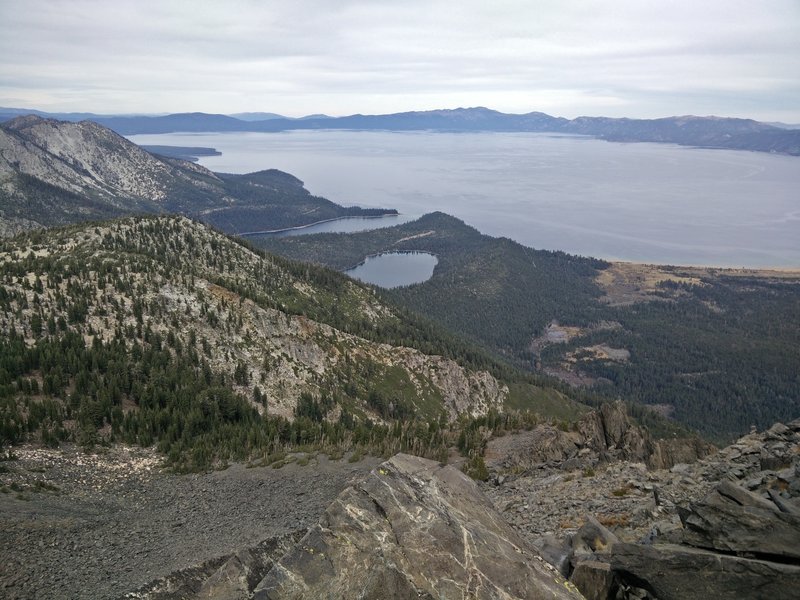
x=547, y=402
x=335, y=454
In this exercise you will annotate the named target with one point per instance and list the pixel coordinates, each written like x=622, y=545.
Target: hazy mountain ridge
x=711, y=132
x=101, y=174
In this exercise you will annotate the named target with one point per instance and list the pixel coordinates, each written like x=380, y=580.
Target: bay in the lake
x=654, y=203
x=341, y=225
x=393, y=269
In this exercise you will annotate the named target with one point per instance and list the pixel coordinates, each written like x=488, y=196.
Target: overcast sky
x=635, y=58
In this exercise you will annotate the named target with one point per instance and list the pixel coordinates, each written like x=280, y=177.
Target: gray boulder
x=412, y=529
x=595, y=580
x=557, y=552
x=528, y=449
x=677, y=572
x=591, y=538
x=668, y=453
x=239, y=575
x=732, y=519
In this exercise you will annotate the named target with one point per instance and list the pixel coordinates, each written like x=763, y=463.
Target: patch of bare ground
x=570, y=376
x=665, y=410
x=598, y=352
x=555, y=333
x=626, y=283
x=414, y=237
x=74, y=525
x=567, y=371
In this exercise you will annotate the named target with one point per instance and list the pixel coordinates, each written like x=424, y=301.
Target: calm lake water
x=343, y=225
x=393, y=269
x=643, y=202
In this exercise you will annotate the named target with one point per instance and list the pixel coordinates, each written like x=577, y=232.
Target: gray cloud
x=621, y=57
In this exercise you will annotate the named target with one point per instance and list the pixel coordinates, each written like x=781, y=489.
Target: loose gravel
x=97, y=526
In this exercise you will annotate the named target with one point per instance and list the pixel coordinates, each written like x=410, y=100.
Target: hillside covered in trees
x=717, y=350
x=161, y=331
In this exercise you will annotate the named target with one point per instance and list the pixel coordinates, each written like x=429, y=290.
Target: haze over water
x=654, y=203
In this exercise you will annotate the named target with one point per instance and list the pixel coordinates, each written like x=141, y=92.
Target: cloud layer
x=612, y=57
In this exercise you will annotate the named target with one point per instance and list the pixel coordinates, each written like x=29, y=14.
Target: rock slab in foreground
x=412, y=529
x=732, y=519
x=672, y=572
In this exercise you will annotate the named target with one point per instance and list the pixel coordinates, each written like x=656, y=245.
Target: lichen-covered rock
x=412, y=529
x=591, y=538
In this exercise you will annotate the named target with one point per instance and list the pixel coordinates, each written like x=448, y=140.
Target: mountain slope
x=717, y=350
x=159, y=329
x=492, y=289
x=53, y=173
x=710, y=132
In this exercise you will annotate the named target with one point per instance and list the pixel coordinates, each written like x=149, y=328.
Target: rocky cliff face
x=89, y=157
x=601, y=436
x=235, y=315
x=55, y=173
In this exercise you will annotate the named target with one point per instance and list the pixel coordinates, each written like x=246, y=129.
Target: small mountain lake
x=394, y=269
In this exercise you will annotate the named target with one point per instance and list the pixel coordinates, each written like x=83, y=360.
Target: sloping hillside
x=160, y=330
x=55, y=173
x=715, y=349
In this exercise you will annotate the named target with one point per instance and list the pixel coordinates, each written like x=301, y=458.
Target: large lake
x=642, y=202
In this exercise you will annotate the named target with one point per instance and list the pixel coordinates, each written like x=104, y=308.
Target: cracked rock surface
x=412, y=529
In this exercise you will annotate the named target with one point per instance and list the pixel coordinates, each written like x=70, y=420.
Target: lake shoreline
x=298, y=227
x=647, y=203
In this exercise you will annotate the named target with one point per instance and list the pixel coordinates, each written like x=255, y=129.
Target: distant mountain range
x=707, y=132
x=56, y=172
